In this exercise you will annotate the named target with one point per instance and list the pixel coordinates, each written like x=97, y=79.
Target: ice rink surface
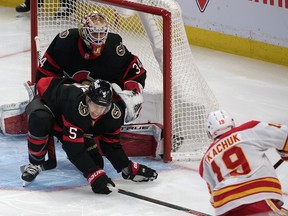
x=247, y=88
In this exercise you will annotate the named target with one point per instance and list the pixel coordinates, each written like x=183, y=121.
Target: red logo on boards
x=202, y=4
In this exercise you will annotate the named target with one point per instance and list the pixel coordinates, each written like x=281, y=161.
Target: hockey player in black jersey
x=90, y=52
x=84, y=54
x=75, y=113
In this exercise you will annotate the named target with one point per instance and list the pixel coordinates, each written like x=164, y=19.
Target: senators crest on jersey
x=64, y=34
x=83, y=109
x=116, y=112
x=120, y=50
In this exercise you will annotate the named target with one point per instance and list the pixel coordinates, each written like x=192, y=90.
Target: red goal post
x=182, y=129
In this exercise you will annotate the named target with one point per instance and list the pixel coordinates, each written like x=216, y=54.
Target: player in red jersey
x=240, y=177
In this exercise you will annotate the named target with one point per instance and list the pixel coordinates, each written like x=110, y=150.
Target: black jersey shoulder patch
x=64, y=34
x=83, y=109
x=116, y=112
x=120, y=49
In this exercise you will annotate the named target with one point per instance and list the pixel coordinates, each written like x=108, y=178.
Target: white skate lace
x=32, y=169
x=23, y=5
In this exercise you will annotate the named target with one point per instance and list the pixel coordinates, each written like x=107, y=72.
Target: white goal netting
x=191, y=99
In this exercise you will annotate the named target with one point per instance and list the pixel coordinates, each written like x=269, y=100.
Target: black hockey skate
x=29, y=174
x=22, y=10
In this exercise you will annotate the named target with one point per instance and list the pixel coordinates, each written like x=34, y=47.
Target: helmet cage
x=94, y=36
x=94, y=29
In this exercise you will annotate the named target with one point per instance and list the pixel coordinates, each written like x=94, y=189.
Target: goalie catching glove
x=99, y=181
x=132, y=97
x=139, y=173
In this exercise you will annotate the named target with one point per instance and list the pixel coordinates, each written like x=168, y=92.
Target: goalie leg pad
x=142, y=139
x=13, y=118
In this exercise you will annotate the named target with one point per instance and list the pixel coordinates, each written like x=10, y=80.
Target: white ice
x=247, y=88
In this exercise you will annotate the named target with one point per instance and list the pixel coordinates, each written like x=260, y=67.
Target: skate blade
x=22, y=14
x=26, y=183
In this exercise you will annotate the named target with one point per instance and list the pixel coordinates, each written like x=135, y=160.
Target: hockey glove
x=99, y=181
x=139, y=173
x=283, y=154
x=132, y=97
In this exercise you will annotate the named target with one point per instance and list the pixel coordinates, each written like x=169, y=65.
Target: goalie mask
x=93, y=30
x=100, y=92
x=218, y=123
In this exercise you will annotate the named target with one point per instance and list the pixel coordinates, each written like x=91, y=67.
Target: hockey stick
x=278, y=163
x=37, y=42
x=159, y=202
x=51, y=163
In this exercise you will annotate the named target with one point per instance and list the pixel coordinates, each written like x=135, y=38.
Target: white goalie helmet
x=93, y=30
x=218, y=123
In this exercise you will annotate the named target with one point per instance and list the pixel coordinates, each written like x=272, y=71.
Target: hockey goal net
x=175, y=94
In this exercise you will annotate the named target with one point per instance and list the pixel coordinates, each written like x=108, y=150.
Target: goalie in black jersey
x=75, y=113
x=91, y=52
x=87, y=53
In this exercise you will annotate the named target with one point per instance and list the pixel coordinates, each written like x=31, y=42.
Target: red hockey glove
x=133, y=86
x=99, y=181
x=139, y=173
x=283, y=154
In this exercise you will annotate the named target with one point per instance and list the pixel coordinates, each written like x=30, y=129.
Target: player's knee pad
x=36, y=104
x=40, y=122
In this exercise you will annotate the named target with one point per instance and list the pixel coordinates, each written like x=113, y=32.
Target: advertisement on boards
x=260, y=20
